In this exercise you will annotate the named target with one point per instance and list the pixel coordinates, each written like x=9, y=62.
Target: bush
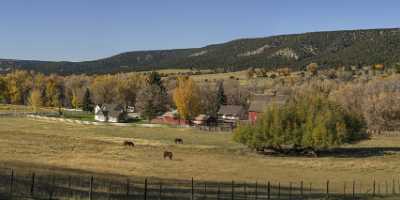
x=304, y=122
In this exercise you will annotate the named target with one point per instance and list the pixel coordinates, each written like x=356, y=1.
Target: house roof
x=113, y=110
x=260, y=103
x=202, y=117
x=172, y=113
x=231, y=110
x=258, y=106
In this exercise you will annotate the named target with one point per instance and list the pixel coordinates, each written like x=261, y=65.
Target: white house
x=110, y=113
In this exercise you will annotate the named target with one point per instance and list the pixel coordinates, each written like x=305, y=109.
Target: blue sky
x=78, y=30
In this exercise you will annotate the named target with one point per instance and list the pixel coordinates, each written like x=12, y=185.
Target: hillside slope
x=329, y=49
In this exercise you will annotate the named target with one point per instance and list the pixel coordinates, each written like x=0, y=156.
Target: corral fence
x=31, y=185
x=215, y=128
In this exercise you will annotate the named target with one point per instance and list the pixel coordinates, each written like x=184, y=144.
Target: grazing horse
x=129, y=143
x=178, y=141
x=168, y=154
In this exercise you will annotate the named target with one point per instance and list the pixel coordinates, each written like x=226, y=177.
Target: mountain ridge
x=328, y=48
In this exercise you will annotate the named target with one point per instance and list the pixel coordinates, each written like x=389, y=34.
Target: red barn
x=170, y=118
x=259, y=103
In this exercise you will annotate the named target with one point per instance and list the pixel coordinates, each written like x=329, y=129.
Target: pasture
x=40, y=145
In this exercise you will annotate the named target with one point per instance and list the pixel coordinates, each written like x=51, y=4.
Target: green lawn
x=78, y=115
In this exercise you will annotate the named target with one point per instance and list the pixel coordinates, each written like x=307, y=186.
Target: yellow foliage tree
x=186, y=98
x=35, y=100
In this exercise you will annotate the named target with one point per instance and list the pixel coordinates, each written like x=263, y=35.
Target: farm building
x=170, y=118
x=110, y=113
x=231, y=114
x=204, y=120
x=259, y=103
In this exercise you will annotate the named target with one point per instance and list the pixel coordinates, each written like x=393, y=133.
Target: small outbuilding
x=110, y=113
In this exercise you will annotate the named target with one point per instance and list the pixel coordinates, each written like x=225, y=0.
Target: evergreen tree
x=221, y=97
x=150, y=101
x=87, y=101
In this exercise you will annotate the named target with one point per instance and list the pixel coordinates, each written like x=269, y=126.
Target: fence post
x=33, y=184
x=145, y=189
x=310, y=189
x=52, y=187
x=127, y=188
x=354, y=189
x=109, y=190
x=387, y=187
x=91, y=188
x=192, y=189
x=393, y=187
x=205, y=190
x=256, y=190
x=233, y=190
x=269, y=191
x=11, y=183
x=219, y=191
x=160, y=194
x=290, y=190
x=245, y=190
x=327, y=188
x=398, y=185
x=379, y=189
x=70, y=185
x=344, y=189
x=301, y=188
x=373, y=188
x=279, y=190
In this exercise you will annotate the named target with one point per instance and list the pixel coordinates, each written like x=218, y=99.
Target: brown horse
x=168, y=154
x=129, y=143
x=178, y=141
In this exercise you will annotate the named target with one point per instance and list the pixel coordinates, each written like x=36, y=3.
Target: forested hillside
x=328, y=49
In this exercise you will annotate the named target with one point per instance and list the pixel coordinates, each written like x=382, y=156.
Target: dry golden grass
x=205, y=156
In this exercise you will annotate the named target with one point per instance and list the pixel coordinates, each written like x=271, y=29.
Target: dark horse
x=129, y=143
x=168, y=154
x=178, y=141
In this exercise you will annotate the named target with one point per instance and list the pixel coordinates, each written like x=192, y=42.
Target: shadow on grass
x=348, y=152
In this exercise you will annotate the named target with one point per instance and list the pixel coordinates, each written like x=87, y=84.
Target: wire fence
x=31, y=185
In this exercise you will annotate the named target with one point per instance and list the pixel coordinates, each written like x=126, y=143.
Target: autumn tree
x=35, y=100
x=104, y=89
x=310, y=121
x=75, y=87
x=19, y=84
x=3, y=89
x=186, y=98
x=87, y=104
x=127, y=87
x=54, y=91
x=208, y=97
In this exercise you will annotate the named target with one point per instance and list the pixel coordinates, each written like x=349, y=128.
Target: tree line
x=149, y=93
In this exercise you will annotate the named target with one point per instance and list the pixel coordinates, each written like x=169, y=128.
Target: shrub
x=304, y=122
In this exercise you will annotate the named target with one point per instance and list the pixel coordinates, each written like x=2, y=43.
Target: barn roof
x=260, y=102
x=231, y=110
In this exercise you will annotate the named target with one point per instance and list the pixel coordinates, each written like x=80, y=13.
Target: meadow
x=31, y=144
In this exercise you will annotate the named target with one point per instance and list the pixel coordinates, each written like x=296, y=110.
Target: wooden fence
x=15, y=185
